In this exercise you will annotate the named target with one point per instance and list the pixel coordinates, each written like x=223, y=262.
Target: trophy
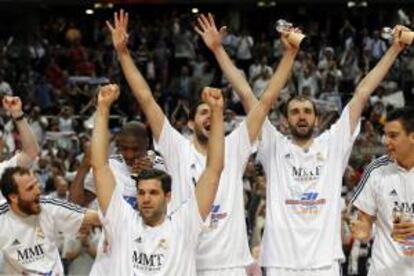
x=405, y=37
x=283, y=26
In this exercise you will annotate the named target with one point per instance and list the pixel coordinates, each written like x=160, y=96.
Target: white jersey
x=303, y=213
x=137, y=249
x=385, y=188
x=29, y=244
x=122, y=174
x=223, y=242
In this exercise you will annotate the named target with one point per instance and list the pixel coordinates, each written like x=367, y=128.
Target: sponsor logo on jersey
x=393, y=193
x=30, y=254
x=307, y=203
x=147, y=262
x=216, y=216
x=306, y=174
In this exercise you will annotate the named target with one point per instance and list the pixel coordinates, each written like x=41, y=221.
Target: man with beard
x=223, y=247
x=385, y=196
x=304, y=173
x=30, y=225
x=152, y=241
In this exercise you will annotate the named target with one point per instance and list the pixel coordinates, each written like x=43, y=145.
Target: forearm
x=236, y=79
x=76, y=191
x=136, y=81
x=143, y=94
x=30, y=145
x=371, y=81
x=100, y=138
x=278, y=80
x=215, y=146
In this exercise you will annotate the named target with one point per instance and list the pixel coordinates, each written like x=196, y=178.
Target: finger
x=223, y=31
x=205, y=21
x=201, y=23
x=126, y=21
x=116, y=22
x=110, y=27
x=197, y=30
x=211, y=21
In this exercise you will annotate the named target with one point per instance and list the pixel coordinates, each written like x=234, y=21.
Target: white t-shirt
x=29, y=243
x=303, y=214
x=385, y=187
x=137, y=249
x=122, y=174
x=223, y=242
x=12, y=162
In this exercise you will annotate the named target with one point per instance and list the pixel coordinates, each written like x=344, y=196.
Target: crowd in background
x=58, y=68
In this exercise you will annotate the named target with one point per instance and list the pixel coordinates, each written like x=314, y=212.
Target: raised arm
x=104, y=178
x=371, y=81
x=207, y=29
x=136, y=81
x=257, y=115
x=207, y=185
x=30, y=147
x=77, y=192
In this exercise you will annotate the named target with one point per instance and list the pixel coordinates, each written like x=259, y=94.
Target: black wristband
x=19, y=118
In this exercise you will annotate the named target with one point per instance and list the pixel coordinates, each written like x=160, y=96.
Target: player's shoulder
x=4, y=209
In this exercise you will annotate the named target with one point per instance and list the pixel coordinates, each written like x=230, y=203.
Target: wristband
x=19, y=118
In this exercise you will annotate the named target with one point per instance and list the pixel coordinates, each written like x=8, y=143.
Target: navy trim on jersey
x=380, y=162
x=64, y=204
x=4, y=208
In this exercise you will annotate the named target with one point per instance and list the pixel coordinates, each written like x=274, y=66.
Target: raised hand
x=397, y=43
x=119, y=31
x=213, y=97
x=206, y=28
x=13, y=105
x=107, y=95
x=287, y=43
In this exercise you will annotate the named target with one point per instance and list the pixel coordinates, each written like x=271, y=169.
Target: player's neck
x=407, y=163
x=200, y=146
x=155, y=222
x=16, y=210
x=303, y=143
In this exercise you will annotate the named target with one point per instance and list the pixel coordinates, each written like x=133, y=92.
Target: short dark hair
x=135, y=129
x=193, y=110
x=160, y=175
x=8, y=183
x=300, y=98
x=405, y=116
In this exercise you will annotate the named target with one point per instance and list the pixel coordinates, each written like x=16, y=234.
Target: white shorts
x=333, y=270
x=234, y=271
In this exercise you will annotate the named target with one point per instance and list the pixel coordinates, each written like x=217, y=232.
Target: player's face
x=301, y=118
x=131, y=148
x=201, y=124
x=399, y=143
x=152, y=201
x=28, y=198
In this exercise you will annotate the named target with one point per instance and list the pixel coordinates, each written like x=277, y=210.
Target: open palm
x=206, y=28
x=119, y=31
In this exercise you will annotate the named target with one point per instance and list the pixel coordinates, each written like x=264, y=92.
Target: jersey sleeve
x=67, y=217
x=118, y=215
x=340, y=137
x=188, y=215
x=365, y=196
x=238, y=146
x=268, y=144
